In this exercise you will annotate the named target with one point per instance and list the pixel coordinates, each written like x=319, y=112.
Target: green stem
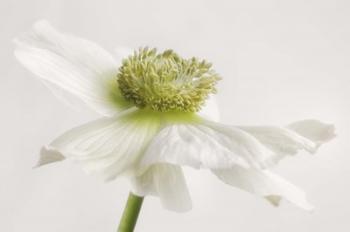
x=130, y=214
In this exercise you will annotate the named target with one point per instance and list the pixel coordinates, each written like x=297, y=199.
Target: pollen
x=165, y=81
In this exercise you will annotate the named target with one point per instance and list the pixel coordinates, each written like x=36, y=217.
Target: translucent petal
x=78, y=66
x=49, y=155
x=307, y=135
x=205, y=145
x=244, y=144
x=108, y=146
x=265, y=184
x=316, y=131
x=168, y=183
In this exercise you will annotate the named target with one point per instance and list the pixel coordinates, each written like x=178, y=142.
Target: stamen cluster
x=165, y=81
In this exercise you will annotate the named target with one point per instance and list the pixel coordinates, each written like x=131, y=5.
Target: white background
x=281, y=61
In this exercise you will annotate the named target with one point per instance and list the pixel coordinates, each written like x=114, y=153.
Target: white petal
x=307, y=135
x=211, y=110
x=205, y=145
x=316, y=131
x=168, y=183
x=108, y=146
x=49, y=155
x=244, y=144
x=76, y=65
x=265, y=184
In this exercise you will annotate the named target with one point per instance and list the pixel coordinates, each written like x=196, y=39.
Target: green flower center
x=165, y=81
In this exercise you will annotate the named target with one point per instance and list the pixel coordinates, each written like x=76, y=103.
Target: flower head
x=152, y=106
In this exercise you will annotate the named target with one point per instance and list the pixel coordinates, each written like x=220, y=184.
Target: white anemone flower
x=158, y=115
